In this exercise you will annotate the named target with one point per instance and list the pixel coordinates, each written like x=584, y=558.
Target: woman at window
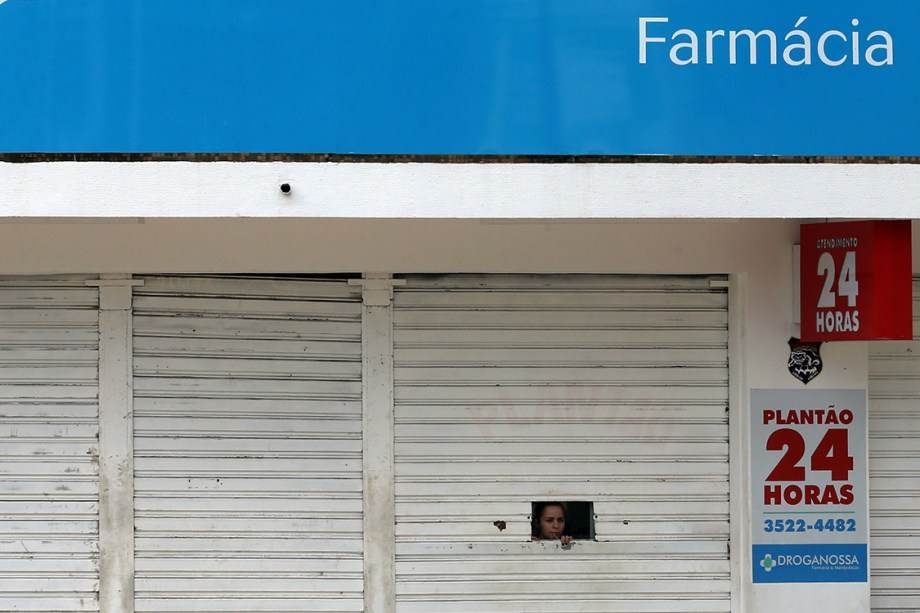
x=548, y=523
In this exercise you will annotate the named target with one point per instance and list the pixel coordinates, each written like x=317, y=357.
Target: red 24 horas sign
x=856, y=281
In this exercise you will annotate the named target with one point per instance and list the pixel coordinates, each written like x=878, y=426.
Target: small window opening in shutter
x=579, y=517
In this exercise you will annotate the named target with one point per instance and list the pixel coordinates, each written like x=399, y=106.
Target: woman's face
x=552, y=522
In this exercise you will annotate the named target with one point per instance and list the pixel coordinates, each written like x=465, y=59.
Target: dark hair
x=538, y=508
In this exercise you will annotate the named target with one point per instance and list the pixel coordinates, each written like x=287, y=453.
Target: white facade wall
x=739, y=220
x=471, y=191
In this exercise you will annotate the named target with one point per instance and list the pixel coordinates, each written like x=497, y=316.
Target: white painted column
x=378, y=454
x=738, y=444
x=116, y=448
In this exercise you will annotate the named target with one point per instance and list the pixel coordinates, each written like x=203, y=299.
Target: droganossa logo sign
x=768, y=563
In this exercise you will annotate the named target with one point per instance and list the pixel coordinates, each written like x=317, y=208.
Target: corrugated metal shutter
x=247, y=445
x=49, y=486
x=894, y=471
x=512, y=389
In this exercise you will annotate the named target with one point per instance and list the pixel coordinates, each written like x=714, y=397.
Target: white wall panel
x=894, y=471
x=247, y=445
x=512, y=389
x=472, y=191
x=49, y=483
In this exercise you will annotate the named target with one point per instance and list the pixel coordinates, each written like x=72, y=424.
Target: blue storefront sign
x=530, y=77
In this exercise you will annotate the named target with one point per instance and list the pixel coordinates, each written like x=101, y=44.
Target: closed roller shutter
x=512, y=389
x=247, y=445
x=49, y=488
x=894, y=471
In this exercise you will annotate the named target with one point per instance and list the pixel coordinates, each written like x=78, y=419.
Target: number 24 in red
x=832, y=454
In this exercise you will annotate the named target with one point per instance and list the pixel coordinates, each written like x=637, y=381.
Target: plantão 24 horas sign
x=808, y=486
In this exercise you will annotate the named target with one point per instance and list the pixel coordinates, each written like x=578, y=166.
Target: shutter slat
x=49, y=482
x=247, y=445
x=513, y=389
x=894, y=451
